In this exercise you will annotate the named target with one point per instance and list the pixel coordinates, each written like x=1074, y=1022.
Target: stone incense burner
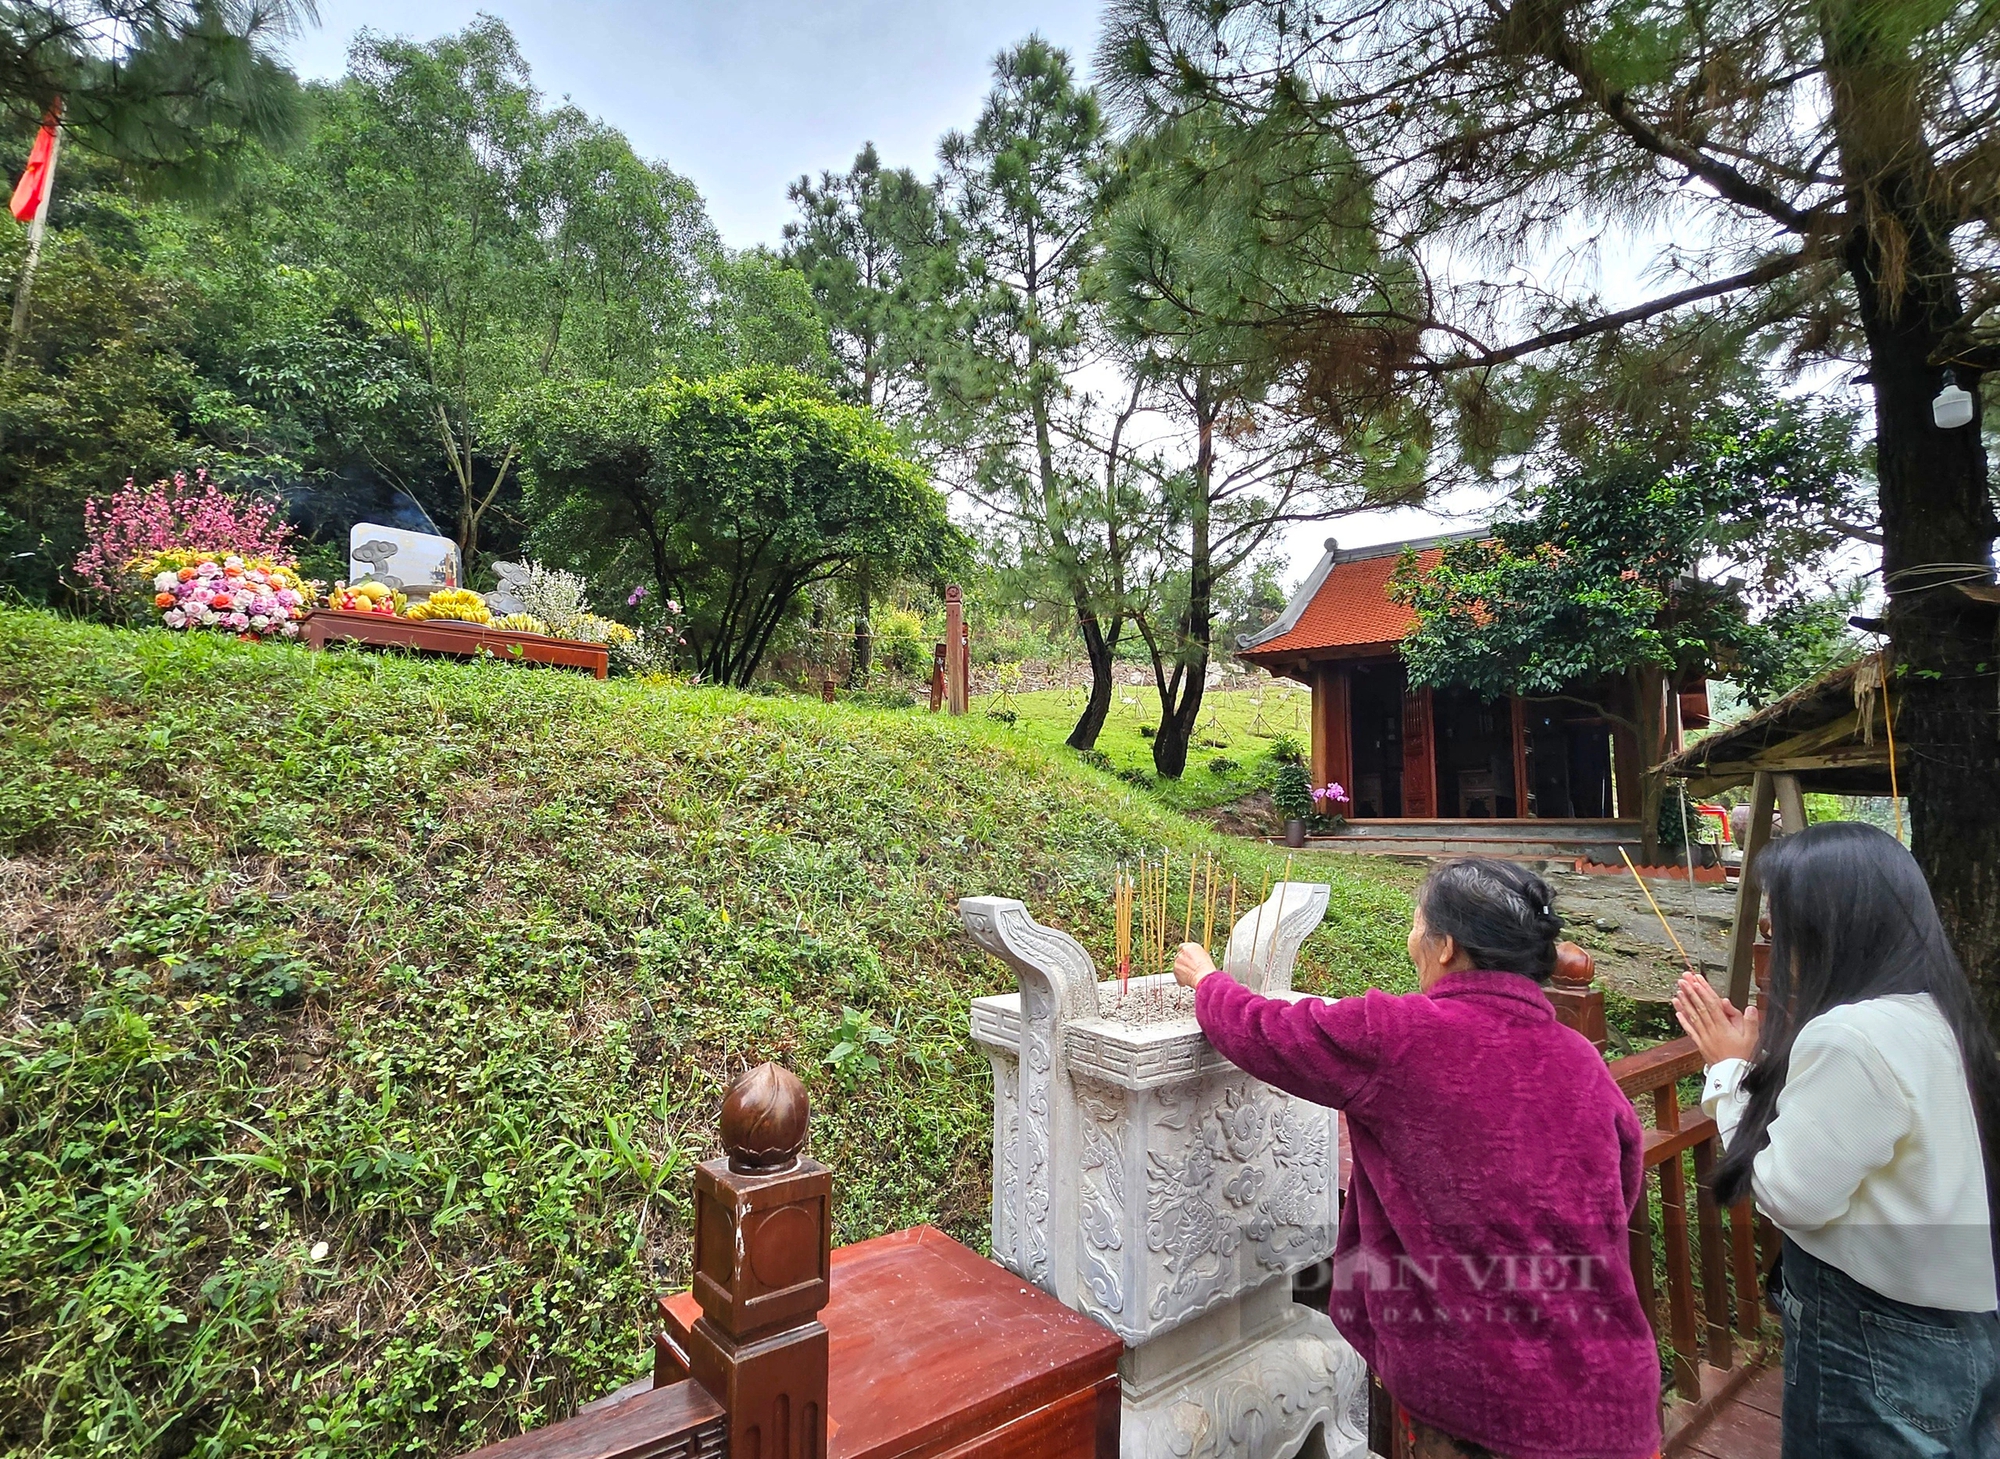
x=1142, y=1179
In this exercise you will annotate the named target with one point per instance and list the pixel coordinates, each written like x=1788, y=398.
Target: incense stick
x=1230, y=935
x=1187, y=917
x=1122, y=917
x=1278, y=918
x=1656, y=910
x=1208, y=904
x=1257, y=926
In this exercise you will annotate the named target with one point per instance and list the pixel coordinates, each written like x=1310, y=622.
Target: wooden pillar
x=763, y=1229
x=1333, y=725
x=1419, y=756
x=1791, y=803
x=1518, y=715
x=957, y=652
x=1749, y=890
x=1625, y=773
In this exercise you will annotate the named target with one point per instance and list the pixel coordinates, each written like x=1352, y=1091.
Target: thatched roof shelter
x=1830, y=734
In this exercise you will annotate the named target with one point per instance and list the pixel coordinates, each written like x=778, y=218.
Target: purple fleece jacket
x=1482, y=1267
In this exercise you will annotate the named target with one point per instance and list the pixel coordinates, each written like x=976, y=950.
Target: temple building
x=1409, y=753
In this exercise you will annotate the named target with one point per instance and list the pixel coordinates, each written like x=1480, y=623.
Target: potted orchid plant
x=1329, y=806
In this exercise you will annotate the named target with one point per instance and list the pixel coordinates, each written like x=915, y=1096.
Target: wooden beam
x=1791, y=803
x=1712, y=778
x=1655, y=1068
x=1749, y=894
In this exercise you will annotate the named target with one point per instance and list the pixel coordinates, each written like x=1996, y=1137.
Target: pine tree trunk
x=1938, y=522
x=1178, y=715
x=1098, y=707
x=1177, y=726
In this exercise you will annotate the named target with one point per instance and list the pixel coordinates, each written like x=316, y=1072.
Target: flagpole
x=35, y=231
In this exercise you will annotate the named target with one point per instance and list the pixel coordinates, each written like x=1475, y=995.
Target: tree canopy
x=1616, y=578
x=174, y=88
x=733, y=495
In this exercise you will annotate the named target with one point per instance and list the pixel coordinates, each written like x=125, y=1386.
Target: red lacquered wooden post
x=1714, y=1260
x=763, y=1230
x=1681, y=1323
x=957, y=655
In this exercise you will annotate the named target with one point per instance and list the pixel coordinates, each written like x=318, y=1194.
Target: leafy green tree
x=1603, y=588
x=1812, y=174
x=1022, y=188
x=102, y=392
x=428, y=175
x=508, y=242
x=733, y=496
x=632, y=257
x=760, y=314
x=870, y=243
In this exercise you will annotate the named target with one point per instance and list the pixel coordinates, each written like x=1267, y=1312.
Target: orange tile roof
x=1351, y=608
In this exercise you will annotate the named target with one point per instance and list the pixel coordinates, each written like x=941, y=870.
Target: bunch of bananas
x=460, y=605
x=521, y=623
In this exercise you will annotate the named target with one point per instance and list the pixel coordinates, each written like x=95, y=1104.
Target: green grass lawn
x=1234, y=729
x=361, y=1017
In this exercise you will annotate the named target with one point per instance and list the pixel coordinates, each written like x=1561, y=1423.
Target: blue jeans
x=1868, y=1377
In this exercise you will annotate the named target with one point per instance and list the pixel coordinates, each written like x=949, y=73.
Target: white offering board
x=416, y=562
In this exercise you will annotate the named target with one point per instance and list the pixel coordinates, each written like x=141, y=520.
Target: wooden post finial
x=1577, y=1004
x=1575, y=967
x=764, y=1121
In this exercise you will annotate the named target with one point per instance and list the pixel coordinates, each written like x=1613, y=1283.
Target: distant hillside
x=361, y=1017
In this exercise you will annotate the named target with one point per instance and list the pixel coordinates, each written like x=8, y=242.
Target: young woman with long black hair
x=1852, y=1107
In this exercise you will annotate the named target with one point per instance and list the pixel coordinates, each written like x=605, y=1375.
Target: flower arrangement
x=460, y=605
x=129, y=532
x=561, y=600
x=251, y=597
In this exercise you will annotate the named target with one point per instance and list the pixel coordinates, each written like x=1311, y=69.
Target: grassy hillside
x=1237, y=729
x=361, y=1018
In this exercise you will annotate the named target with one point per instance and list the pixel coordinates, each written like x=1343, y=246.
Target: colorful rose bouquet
x=250, y=597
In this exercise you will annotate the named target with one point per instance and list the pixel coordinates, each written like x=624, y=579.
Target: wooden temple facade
x=1406, y=753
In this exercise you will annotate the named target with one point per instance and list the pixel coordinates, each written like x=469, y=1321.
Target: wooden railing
x=1705, y=1326
x=785, y=1347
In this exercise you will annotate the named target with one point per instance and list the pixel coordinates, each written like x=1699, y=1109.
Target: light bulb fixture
x=1953, y=406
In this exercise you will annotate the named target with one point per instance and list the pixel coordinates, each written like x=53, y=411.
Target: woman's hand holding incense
x=1719, y=1029
x=1191, y=964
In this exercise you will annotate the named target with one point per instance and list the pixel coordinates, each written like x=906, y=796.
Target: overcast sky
x=744, y=96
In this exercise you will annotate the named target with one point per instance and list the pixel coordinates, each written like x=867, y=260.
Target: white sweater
x=1874, y=1161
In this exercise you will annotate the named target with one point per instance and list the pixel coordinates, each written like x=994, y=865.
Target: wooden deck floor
x=1746, y=1426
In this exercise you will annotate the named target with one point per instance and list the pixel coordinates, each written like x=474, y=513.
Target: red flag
x=41, y=163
